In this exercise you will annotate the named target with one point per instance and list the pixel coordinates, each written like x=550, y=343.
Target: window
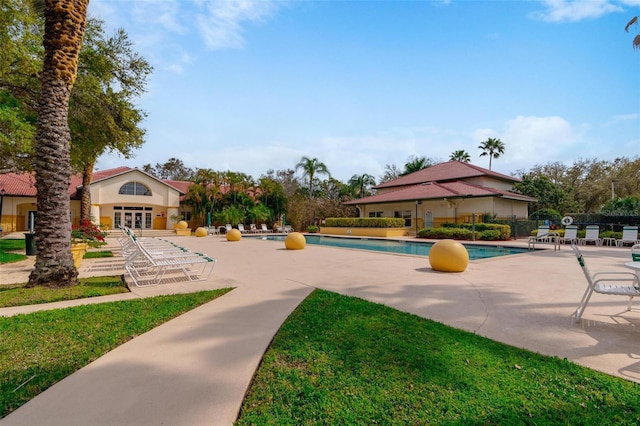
x=375, y=214
x=405, y=214
x=134, y=188
x=117, y=219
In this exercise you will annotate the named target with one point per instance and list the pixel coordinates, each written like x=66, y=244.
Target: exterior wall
x=434, y=213
x=134, y=210
x=490, y=183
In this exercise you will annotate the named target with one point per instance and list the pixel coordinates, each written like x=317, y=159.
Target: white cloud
x=221, y=24
x=575, y=10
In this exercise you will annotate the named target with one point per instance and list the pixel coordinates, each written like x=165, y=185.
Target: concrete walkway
x=196, y=368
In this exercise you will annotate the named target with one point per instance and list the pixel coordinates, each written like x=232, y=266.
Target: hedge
x=441, y=233
x=504, y=231
x=364, y=222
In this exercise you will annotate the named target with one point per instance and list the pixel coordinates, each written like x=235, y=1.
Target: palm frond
x=636, y=42
x=633, y=20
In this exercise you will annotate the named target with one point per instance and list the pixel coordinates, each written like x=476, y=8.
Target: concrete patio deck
x=196, y=368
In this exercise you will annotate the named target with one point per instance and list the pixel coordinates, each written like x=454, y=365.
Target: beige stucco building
x=452, y=192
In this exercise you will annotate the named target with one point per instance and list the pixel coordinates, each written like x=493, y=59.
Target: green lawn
x=9, y=245
x=344, y=361
x=18, y=294
x=39, y=349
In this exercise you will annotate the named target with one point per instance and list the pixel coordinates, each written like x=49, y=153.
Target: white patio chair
x=611, y=283
x=635, y=253
x=592, y=235
x=264, y=228
x=241, y=228
x=629, y=235
x=543, y=235
x=570, y=235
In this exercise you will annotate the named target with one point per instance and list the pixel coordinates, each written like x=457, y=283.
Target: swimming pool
x=402, y=247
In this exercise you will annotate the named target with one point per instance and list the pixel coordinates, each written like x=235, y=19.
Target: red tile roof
x=452, y=170
x=23, y=184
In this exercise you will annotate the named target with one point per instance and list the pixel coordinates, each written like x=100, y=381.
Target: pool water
x=402, y=247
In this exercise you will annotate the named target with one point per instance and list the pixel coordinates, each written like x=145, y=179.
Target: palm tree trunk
x=64, y=28
x=85, y=196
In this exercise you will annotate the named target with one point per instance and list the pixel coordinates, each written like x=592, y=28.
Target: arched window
x=134, y=188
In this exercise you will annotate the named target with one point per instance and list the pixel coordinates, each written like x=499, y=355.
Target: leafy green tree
x=415, y=163
x=259, y=213
x=102, y=113
x=64, y=26
x=391, y=172
x=460, y=155
x=230, y=214
x=628, y=206
x=173, y=169
x=492, y=147
x=360, y=185
x=310, y=168
x=549, y=195
x=636, y=39
x=272, y=195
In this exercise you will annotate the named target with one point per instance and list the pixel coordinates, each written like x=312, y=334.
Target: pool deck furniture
x=198, y=366
x=629, y=236
x=544, y=235
x=609, y=283
x=592, y=235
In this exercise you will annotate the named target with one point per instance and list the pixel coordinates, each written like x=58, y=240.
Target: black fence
x=521, y=228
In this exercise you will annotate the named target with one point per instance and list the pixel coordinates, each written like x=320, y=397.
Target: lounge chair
x=592, y=235
x=253, y=229
x=629, y=235
x=635, y=253
x=543, y=235
x=611, y=283
x=241, y=228
x=570, y=235
x=264, y=228
x=227, y=228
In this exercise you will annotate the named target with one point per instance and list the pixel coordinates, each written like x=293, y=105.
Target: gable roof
x=23, y=184
x=449, y=171
x=439, y=190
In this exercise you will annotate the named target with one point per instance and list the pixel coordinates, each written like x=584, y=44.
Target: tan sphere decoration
x=201, y=232
x=234, y=235
x=182, y=225
x=295, y=241
x=448, y=256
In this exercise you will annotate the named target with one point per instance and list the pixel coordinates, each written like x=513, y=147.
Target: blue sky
x=249, y=86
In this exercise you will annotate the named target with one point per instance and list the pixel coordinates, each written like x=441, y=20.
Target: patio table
x=635, y=266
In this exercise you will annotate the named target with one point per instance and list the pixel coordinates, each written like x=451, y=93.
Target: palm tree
x=492, y=147
x=310, y=168
x=415, y=164
x=460, y=155
x=636, y=39
x=360, y=184
x=64, y=26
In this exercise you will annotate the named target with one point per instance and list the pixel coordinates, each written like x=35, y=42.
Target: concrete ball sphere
x=234, y=235
x=202, y=232
x=295, y=241
x=182, y=225
x=448, y=256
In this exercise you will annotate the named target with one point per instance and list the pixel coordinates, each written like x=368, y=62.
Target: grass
x=98, y=254
x=344, y=361
x=18, y=295
x=8, y=245
x=39, y=349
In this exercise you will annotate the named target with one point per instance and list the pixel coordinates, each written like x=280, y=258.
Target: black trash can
x=30, y=244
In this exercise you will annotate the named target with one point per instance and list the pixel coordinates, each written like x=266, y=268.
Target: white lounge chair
x=592, y=235
x=543, y=235
x=611, y=283
x=264, y=228
x=629, y=235
x=241, y=228
x=570, y=235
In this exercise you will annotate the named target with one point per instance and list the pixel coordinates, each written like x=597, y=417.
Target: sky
x=248, y=86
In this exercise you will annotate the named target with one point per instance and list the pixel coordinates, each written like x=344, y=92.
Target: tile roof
x=452, y=170
x=439, y=190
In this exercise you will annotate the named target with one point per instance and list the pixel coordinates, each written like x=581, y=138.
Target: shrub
x=490, y=235
x=312, y=229
x=503, y=230
x=441, y=233
x=364, y=222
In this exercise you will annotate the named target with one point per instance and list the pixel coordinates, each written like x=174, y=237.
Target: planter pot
x=78, y=251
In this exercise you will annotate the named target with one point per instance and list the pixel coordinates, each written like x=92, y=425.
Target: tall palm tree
x=310, y=168
x=64, y=26
x=415, y=163
x=492, y=147
x=460, y=155
x=360, y=184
